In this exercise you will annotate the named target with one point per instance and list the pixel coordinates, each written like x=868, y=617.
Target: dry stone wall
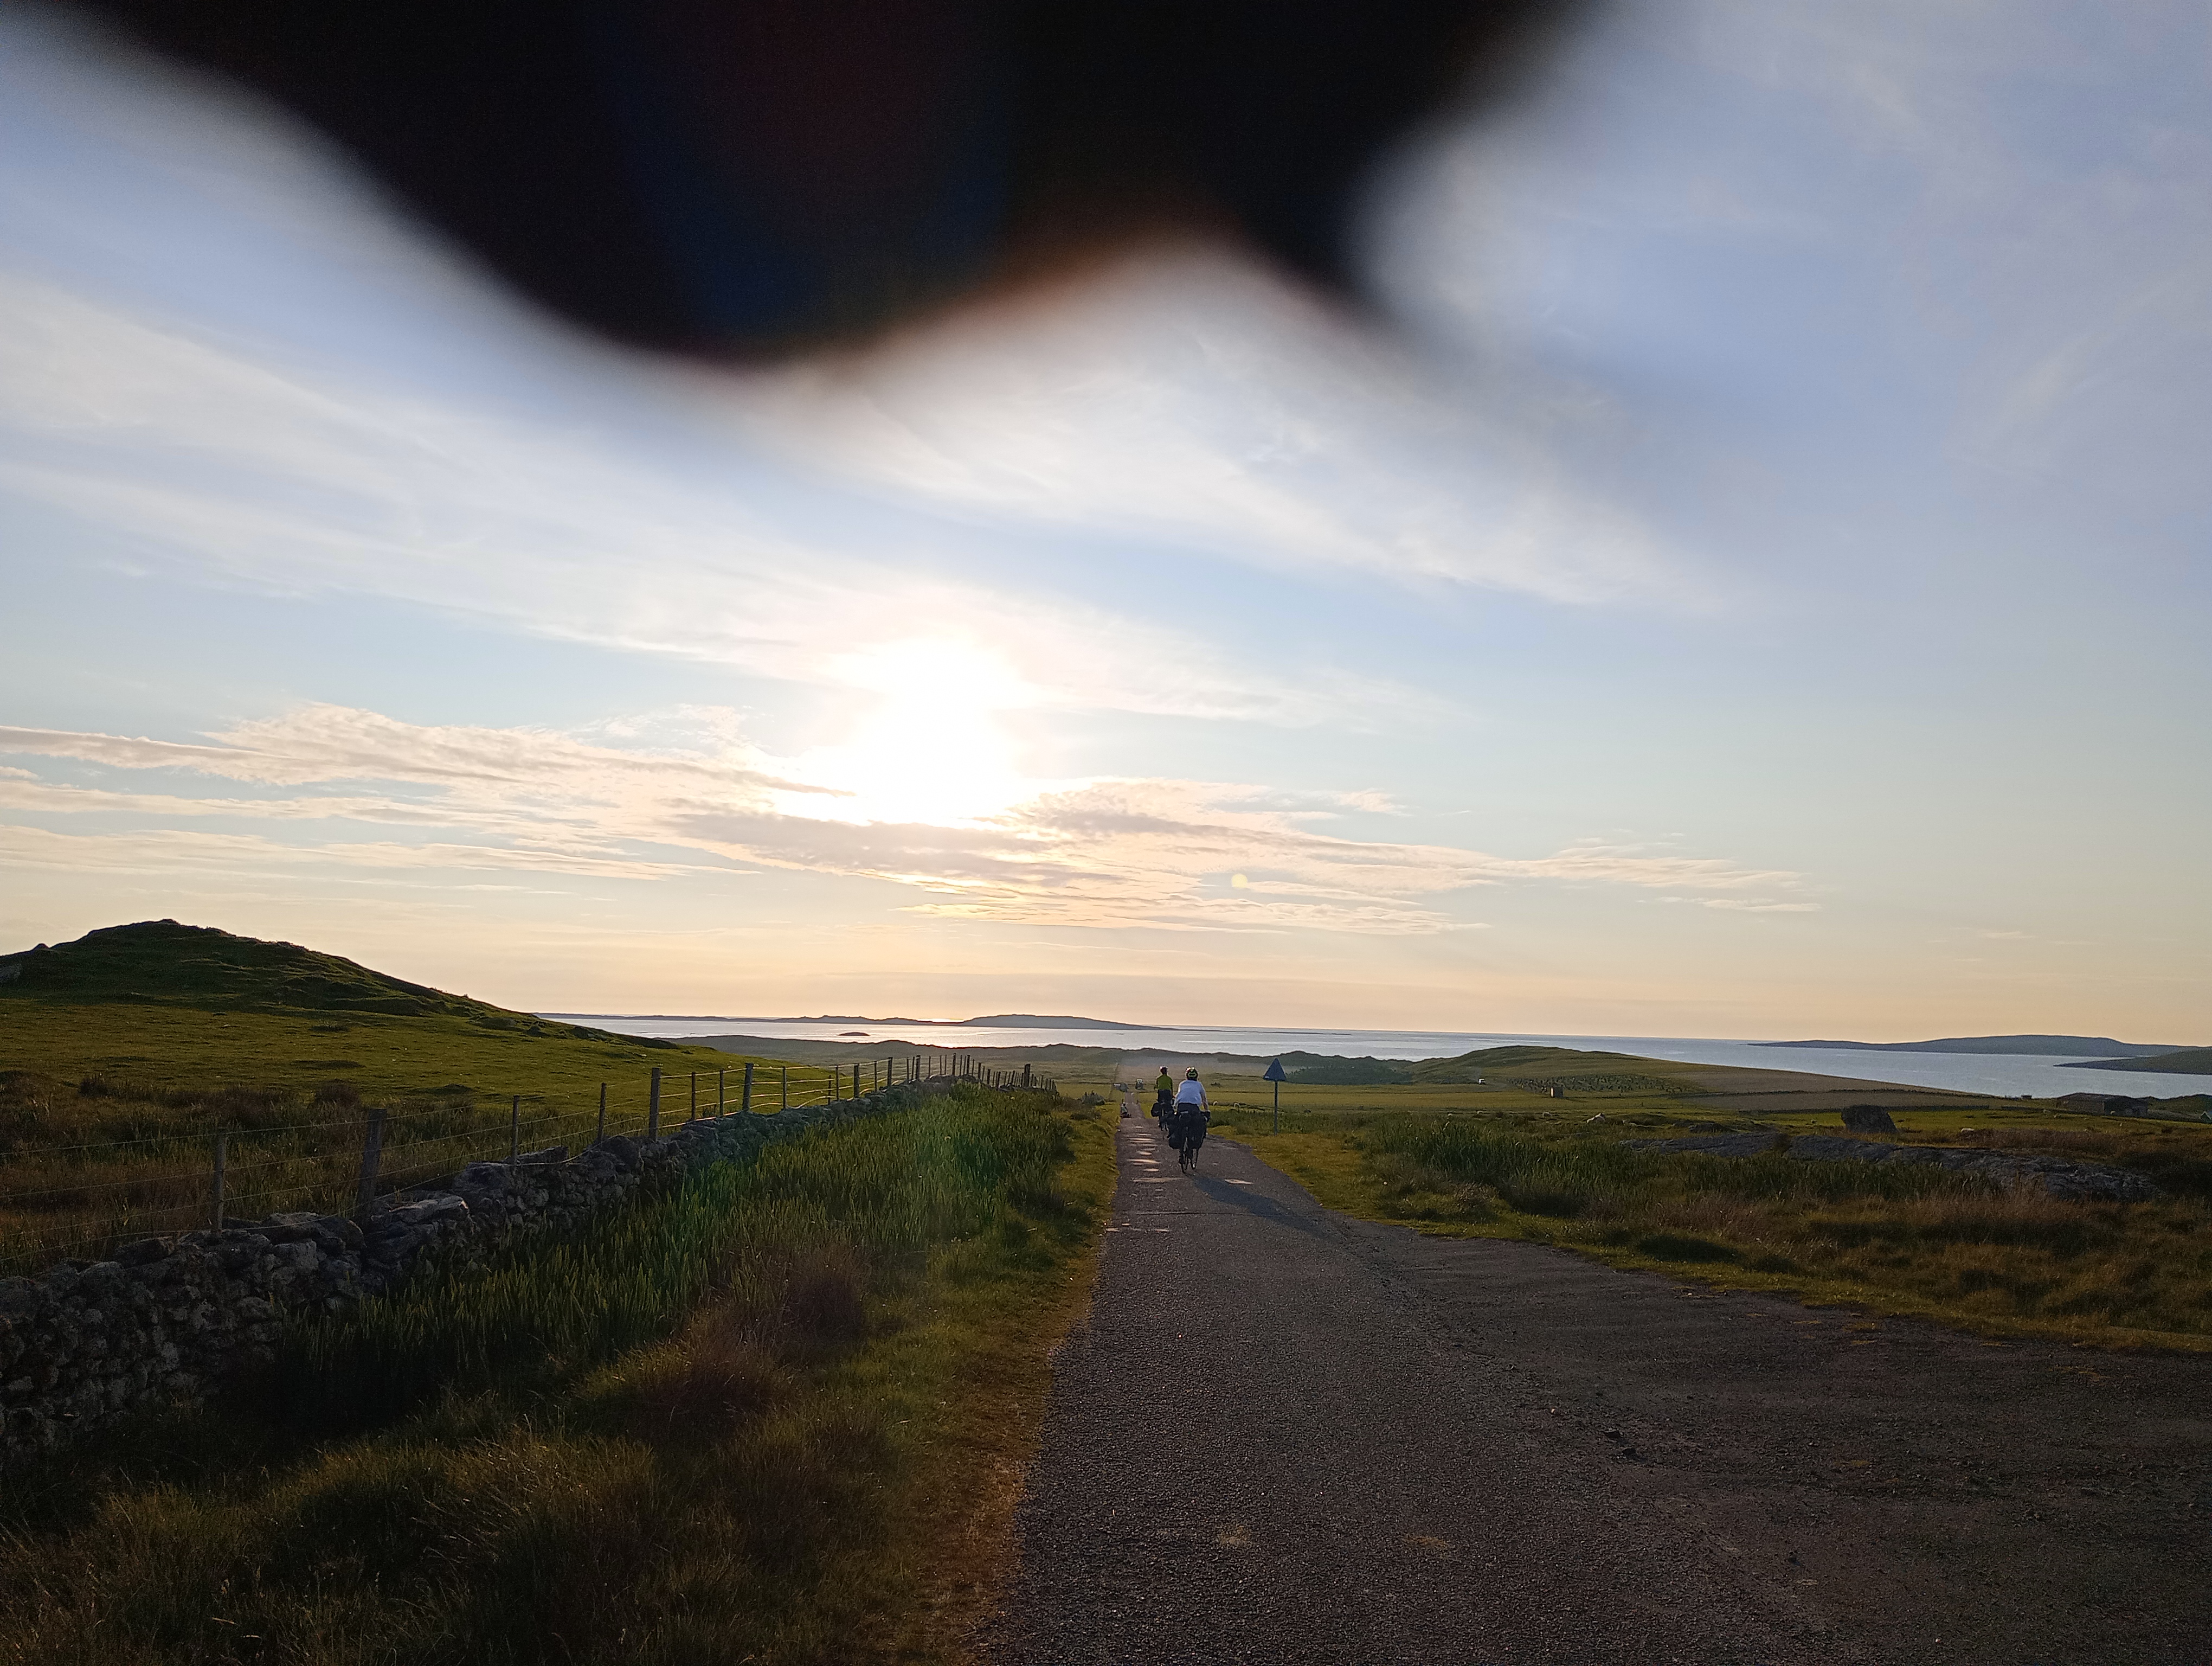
x=168, y=1320
x=2077, y=1181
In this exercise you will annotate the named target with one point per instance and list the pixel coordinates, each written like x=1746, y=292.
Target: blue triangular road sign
x=1274, y=1072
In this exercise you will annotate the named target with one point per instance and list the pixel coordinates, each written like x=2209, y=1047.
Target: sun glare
x=934, y=747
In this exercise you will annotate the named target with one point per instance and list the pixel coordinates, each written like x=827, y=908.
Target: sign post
x=1274, y=1074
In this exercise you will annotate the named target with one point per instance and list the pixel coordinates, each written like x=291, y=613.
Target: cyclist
x=1191, y=1118
x=1163, y=1099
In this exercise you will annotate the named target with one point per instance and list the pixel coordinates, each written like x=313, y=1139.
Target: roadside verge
x=809, y=1459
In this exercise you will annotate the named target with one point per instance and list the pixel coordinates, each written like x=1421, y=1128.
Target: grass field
x=108, y=1110
x=1507, y=1159
x=778, y=1415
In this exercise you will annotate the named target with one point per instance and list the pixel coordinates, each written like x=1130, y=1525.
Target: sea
x=2011, y=1074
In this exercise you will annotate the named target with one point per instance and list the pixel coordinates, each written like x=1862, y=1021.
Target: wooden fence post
x=694, y=1116
x=221, y=1151
x=514, y=1127
x=745, y=1103
x=722, y=1092
x=602, y=1134
x=371, y=1156
x=653, y=1106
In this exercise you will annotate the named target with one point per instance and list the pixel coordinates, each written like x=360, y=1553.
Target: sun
x=933, y=747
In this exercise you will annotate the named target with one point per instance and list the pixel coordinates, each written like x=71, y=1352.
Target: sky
x=1749, y=579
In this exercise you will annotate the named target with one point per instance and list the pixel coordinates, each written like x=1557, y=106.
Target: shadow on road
x=1256, y=1203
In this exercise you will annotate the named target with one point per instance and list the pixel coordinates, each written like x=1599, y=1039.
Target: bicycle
x=1193, y=1136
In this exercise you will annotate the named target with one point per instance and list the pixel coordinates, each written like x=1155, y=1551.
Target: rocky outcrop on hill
x=168, y=1319
x=2079, y=1181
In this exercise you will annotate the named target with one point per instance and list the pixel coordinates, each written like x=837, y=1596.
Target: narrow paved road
x=1288, y=1436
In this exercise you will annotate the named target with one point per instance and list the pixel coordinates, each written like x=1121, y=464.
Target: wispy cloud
x=234, y=466
x=1198, y=401
x=1103, y=852
x=1748, y=904
x=168, y=851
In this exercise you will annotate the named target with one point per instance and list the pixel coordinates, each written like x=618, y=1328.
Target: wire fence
x=84, y=1200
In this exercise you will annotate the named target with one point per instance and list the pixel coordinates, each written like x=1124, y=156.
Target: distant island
x=1056, y=1021
x=994, y=1021
x=2186, y=1061
x=2075, y=1047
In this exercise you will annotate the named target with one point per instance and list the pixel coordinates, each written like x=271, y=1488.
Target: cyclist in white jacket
x=1191, y=1118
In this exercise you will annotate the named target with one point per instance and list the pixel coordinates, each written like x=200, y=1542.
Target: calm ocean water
x=1972, y=1073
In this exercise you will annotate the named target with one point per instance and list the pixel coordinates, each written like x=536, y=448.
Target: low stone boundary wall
x=169, y=1319
x=2077, y=1181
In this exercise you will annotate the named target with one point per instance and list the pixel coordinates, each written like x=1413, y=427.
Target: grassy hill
x=124, y=1053
x=160, y=963
x=1482, y=1065
x=167, y=1005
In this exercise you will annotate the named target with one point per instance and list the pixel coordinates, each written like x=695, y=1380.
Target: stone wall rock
x=168, y=1320
x=2075, y=1181
x=1868, y=1119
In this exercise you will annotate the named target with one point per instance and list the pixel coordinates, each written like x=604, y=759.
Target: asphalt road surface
x=1288, y=1436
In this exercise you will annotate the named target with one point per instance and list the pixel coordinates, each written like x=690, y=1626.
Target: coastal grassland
x=1561, y=1080
x=779, y=1414
x=1912, y=1240
x=165, y=1046
x=108, y=1109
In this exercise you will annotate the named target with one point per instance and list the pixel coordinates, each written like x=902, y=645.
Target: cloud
x=173, y=851
x=376, y=419
x=243, y=466
x=1099, y=853
x=1748, y=904
x=1195, y=400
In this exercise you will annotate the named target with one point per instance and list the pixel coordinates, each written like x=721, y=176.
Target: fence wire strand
x=403, y=1162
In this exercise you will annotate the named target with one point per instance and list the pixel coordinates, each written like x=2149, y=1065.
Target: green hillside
x=124, y=1053
x=160, y=963
x=1482, y=1065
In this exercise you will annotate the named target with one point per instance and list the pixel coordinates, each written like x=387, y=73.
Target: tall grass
x=89, y=1165
x=886, y=1187
x=713, y=1426
x=1921, y=1238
